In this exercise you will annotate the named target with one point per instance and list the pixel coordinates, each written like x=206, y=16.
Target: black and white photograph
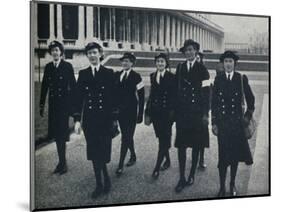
x=133, y=105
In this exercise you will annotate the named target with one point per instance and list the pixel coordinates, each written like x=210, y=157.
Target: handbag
x=249, y=129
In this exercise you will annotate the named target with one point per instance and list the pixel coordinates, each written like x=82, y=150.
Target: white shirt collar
x=231, y=75
x=127, y=71
x=124, y=72
x=57, y=63
x=160, y=73
x=96, y=66
x=192, y=63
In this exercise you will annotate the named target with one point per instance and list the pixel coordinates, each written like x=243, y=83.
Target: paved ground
x=74, y=188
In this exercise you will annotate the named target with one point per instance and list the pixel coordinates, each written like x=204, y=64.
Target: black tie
x=228, y=77
x=160, y=78
x=95, y=72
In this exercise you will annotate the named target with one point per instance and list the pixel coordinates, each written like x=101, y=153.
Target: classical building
x=122, y=29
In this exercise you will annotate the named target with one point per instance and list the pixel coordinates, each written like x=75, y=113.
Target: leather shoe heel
x=155, y=175
x=180, y=186
x=119, y=172
x=190, y=181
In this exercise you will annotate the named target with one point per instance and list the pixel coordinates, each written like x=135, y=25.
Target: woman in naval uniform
x=229, y=118
x=160, y=109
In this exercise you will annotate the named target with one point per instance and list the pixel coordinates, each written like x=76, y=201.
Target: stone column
x=137, y=30
x=186, y=31
x=173, y=43
x=161, y=32
x=178, y=40
x=81, y=26
x=59, y=23
x=90, y=23
x=51, y=23
x=112, y=31
x=182, y=33
x=167, y=32
x=98, y=23
x=144, y=44
x=34, y=27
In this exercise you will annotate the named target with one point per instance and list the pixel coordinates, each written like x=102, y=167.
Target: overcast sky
x=238, y=28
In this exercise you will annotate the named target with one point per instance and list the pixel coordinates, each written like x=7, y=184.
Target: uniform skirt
x=99, y=141
x=162, y=126
x=58, y=122
x=194, y=134
x=232, y=143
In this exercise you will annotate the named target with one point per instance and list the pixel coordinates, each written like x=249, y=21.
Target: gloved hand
x=215, y=129
x=206, y=120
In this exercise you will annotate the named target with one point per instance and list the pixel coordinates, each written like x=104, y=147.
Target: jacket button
x=86, y=87
x=232, y=105
x=90, y=107
x=223, y=112
x=222, y=100
x=100, y=107
x=192, y=100
x=232, y=100
x=223, y=106
x=232, y=112
x=90, y=101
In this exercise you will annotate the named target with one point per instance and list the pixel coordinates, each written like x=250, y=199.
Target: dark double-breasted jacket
x=59, y=83
x=95, y=105
x=160, y=106
x=228, y=114
x=191, y=105
x=130, y=95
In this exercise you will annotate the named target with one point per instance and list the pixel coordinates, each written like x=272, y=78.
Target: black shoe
x=221, y=193
x=165, y=166
x=202, y=165
x=180, y=186
x=107, y=186
x=97, y=192
x=63, y=169
x=119, y=172
x=131, y=162
x=155, y=174
x=233, y=191
x=57, y=169
x=190, y=181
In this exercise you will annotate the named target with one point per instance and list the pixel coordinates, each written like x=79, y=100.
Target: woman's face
x=94, y=56
x=56, y=53
x=126, y=64
x=228, y=64
x=160, y=63
x=190, y=53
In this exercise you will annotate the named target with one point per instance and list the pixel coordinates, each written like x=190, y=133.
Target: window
x=43, y=21
x=70, y=21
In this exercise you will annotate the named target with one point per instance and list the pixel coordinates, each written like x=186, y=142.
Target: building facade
x=118, y=29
